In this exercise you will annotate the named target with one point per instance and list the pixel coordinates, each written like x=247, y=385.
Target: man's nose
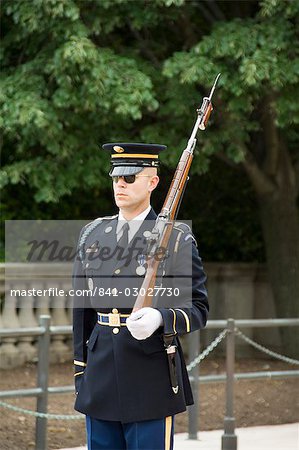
x=121, y=181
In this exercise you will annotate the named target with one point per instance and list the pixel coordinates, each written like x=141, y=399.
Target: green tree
x=77, y=73
x=59, y=90
x=256, y=128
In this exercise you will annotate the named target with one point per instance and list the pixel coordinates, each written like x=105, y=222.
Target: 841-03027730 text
x=134, y=292
x=100, y=292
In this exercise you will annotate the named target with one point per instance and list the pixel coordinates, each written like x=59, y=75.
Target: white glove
x=144, y=322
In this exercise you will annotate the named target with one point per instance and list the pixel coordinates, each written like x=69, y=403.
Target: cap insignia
x=118, y=149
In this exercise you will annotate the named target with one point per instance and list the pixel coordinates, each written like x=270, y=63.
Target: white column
x=27, y=320
x=60, y=351
x=10, y=354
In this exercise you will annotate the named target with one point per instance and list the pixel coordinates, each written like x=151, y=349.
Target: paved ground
x=275, y=437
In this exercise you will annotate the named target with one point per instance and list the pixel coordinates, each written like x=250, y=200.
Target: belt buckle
x=114, y=320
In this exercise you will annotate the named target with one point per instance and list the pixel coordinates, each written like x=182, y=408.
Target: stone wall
x=242, y=291
x=235, y=290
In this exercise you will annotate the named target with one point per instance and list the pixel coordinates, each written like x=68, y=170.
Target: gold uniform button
x=115, y=330
x=117, y=271
x=115, y=311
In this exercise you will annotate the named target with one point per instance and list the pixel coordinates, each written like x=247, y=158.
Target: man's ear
x=153, y=183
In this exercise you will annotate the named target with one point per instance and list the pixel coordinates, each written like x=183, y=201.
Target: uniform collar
x=140, y=216
x=134, y=223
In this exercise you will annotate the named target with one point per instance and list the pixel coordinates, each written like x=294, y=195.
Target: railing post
x=229, y=439
x=42, y=382
x=194, y=346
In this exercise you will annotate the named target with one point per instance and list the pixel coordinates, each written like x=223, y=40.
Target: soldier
x=127, y=385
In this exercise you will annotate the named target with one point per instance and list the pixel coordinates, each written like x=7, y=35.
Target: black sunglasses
x=128, y=178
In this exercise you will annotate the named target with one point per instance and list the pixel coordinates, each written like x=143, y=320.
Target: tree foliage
x=259, y=65
x=59, y=90
x=78, y=73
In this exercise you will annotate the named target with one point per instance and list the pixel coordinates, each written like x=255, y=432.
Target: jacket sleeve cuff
x=176, y=321
x=79, y=371
x=169, y=320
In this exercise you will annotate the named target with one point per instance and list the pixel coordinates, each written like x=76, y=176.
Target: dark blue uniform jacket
x=117, y=377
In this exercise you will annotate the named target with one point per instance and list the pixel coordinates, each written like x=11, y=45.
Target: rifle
x=160, y=234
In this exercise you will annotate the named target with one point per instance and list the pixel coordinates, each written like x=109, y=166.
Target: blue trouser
x=145, y=435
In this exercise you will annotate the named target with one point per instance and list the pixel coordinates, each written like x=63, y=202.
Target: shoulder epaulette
x=108, y=217
x=185, y=229
x=181, y=226
x=89, y=228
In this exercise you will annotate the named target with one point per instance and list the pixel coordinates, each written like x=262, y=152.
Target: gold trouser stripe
x=174, y=320
x=79, y=363
x=78, y=373
x=186, y=319
x=168, y=425
x=135, y=155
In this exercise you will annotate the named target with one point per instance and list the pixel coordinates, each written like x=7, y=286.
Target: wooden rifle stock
x=160, y=235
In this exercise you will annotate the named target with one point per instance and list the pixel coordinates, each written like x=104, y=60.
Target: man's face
x=130, y=196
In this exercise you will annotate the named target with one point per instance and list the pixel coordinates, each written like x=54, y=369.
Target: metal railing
x=44, y=331
x=232, y=328
x=230, y=331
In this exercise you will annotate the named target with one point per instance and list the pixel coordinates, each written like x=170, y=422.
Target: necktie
x=124, y=240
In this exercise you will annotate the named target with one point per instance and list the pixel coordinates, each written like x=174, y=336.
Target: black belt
x=113, y=319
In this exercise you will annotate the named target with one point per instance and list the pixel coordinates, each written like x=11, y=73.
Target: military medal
x=140, y=270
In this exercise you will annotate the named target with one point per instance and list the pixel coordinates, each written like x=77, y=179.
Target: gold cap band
x=135, y=155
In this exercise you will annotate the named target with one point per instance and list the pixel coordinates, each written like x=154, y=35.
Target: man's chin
x=122, y=201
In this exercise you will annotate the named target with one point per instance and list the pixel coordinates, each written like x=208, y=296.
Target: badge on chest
x=141, y=268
